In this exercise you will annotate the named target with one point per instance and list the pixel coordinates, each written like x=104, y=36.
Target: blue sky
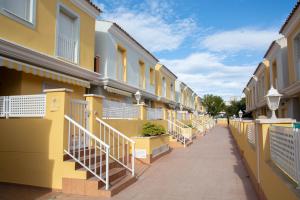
x=213, y=46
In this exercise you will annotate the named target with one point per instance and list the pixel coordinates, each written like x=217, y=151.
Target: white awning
x=38, y=71
x=117, y=91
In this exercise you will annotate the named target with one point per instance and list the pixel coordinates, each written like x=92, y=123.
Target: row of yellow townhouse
x=75, y=93
x=280, y=69
x=270, y=146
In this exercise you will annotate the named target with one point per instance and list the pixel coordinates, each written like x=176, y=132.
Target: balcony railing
x=23, y=106
x=154, y=113
x=119, y=110
x=285, y=150
x=251, y=134
x=67, y=48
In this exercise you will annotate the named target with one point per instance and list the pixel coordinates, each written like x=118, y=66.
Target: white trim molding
x=30, y=23
x=17, y=52
x=86, y=7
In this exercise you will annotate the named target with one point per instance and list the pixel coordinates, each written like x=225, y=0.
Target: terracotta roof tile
x=94, y=5
x=290, y=16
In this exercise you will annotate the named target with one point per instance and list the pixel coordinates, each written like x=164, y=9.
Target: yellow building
x=165, y=86
x=44, y=45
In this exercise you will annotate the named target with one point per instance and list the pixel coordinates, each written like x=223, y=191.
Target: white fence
x=251, y=134
x=155, y=113
x=119, y=110
x=180, y=115
x=79, y=112
x=285, y=150
x=23, y=106
x=120, y=145
x=88, y=150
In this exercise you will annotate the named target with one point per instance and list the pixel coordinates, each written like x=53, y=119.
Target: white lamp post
x=181, y=107
x=273, y=99
x=234, y=116
x=138, y=96
x=240, y=114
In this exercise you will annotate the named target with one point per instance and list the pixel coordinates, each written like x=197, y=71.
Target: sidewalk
x=210, y=169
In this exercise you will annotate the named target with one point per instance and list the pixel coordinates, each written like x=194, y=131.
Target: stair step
x=120, y=184
x=112, y=165
x=114, y=174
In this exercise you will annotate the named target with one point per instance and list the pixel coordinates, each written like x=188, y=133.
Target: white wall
x=106, y=47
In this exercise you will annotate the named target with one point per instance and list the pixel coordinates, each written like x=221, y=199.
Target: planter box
x=188, y=133
x=148, y=149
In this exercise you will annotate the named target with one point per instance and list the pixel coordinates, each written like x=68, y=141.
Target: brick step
x=114, y=174
x=116, y=186
x=112, y=164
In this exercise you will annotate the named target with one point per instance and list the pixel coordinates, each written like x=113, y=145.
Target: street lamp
x=273, y=99
x=138, y=96
x=240, y=114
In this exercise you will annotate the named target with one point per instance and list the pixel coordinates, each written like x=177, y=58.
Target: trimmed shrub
x=151, y=129
x=190, y=126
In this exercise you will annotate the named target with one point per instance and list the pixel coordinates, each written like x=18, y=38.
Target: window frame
x=71, y=13
x=142, y=74
x=296, y=54
x=152, y=76
x=123, y=51
x=29, y=23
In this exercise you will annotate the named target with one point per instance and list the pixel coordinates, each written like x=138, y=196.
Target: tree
x=213, y=104
x=235, y=107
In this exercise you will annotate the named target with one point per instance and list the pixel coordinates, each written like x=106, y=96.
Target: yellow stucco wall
x=158, y=83
x=132, y=128
x=273, y=182
x=222, y=121
x=290, y=46
x=42, y=37
x=31, y=149
x=150, y=143
x=13, y=82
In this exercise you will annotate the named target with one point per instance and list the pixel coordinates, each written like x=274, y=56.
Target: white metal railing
x=119, y=144
x=88, y=150
x=23, y=106
x=79, y=112
x=179, y=115
x=119, y=110
x=285, y=150
x=155, y=113
x=198, y=125
x=177, y=132
x=251, y=134
x=187, y=116
x=179, y=123
x=67, y=48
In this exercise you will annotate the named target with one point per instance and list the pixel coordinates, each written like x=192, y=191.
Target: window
x=121, y=64
x=297, y=55
x=67, y=38
x=172, y=91
x=274, y=74
x=142, y=82
x=164, y=85
x=151, y=76
x=22, y=11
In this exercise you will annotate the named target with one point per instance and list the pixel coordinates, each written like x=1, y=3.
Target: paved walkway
x=210, y=169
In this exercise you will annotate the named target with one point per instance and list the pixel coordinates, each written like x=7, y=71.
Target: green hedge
x=151, y=129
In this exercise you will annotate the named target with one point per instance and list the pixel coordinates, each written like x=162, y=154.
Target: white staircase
x=104, y=156
x=177, y=132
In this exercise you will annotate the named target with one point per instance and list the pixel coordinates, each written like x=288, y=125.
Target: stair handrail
x=115, y=154
x=177, y=135
x=90, y=143
x=182, y=124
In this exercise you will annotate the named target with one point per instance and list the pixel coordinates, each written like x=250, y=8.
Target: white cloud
x=240, y=39
x=151, y=28
x=206, y=73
